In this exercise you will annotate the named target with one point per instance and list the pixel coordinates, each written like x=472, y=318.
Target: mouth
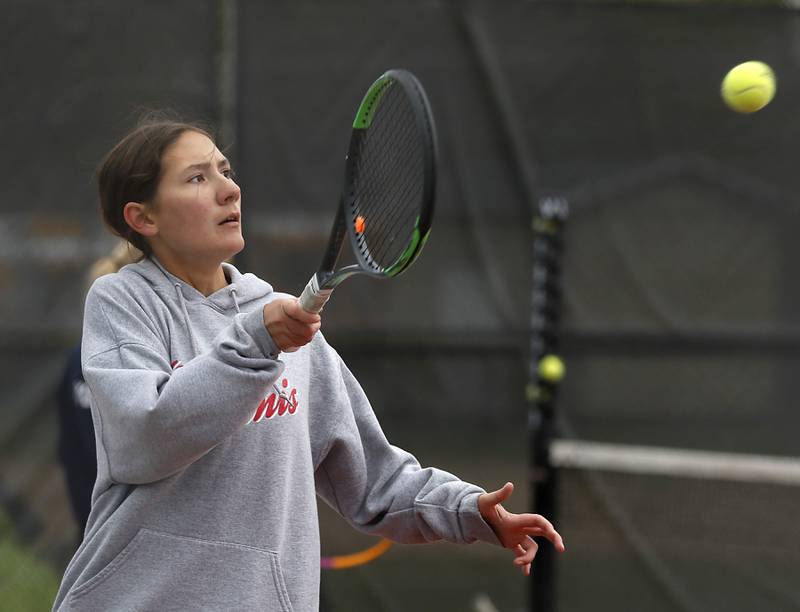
x=231, y=219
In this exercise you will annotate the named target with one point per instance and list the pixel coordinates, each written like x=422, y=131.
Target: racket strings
x=390, y=203
x=394, y=222
x=388, y=179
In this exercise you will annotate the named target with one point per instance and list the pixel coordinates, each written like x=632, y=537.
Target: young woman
x=220, y=413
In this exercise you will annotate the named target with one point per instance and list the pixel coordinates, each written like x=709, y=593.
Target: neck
x=206, y=277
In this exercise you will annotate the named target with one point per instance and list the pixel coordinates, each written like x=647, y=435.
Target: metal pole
x=546, y=371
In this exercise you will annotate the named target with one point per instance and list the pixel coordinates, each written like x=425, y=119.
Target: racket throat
x=320, y=286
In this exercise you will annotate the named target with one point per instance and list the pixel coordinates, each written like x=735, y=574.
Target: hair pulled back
x=131, y=171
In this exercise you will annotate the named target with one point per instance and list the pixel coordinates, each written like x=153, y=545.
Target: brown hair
x=131, y=171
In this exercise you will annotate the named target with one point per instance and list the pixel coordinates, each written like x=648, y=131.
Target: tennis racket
x=386, y=205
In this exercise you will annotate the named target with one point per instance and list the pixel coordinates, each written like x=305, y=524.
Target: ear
x=137, y=216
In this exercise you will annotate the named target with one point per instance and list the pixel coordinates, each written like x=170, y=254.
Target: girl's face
x=197, y=206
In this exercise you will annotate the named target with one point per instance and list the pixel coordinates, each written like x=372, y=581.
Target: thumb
x=293, y=310
x=499, y=496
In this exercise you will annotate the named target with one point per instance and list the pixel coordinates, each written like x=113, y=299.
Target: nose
x=229, y=192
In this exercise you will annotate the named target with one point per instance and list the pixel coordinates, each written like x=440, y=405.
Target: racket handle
x=313, y=298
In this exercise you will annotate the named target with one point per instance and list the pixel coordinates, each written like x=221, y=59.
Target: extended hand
x=289, y=326
x=515, y=530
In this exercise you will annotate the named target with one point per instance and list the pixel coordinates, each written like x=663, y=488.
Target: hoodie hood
x=241, y=288
x=241, y=292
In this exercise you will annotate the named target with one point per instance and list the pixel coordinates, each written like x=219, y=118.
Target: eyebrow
x=204, y=165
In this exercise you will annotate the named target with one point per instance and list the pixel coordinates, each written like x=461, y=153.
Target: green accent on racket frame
x=370, y=102
x=410, y=253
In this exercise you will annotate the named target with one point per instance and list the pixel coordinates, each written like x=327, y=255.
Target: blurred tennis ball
x=748, y=87
x=551, y=368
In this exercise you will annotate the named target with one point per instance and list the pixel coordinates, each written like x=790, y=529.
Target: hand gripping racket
x=386, y=205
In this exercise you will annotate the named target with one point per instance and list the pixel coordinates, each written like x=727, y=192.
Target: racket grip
x=313, y=298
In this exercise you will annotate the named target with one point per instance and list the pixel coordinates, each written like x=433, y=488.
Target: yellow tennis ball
x=748, y=87
x=551, y=368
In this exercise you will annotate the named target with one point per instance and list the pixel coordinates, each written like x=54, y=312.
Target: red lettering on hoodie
x=277, y=402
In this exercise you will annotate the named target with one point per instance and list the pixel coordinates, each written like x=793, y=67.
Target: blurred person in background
x=222, y=413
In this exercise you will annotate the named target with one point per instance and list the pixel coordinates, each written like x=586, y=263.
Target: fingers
x=289, y=325
x=554, y=537
x=533, y=531
x=524, y=553
x=300, y=330
x=294, y=311
x=537, y=525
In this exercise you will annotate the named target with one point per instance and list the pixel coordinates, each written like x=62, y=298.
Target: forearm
x=382, y=490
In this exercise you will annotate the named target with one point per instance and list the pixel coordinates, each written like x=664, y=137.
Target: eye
x=229, y=173
x=197, y=178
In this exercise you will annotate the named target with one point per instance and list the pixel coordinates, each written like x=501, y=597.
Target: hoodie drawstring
x=233, y=297
x=186, y=320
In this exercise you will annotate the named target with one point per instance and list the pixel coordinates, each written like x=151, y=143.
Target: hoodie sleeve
x=381, y=489
x=153, y=421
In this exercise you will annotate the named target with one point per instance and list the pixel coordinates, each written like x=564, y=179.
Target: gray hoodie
x=211, y=447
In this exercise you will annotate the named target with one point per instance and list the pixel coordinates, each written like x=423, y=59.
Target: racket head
x=390, y=175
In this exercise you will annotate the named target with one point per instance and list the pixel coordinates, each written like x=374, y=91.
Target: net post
x=545, y=372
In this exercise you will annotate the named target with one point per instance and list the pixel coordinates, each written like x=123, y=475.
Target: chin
x=240, y=246
x=235, y=249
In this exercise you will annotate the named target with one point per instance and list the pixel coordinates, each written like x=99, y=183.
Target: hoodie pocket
x=162, y=571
